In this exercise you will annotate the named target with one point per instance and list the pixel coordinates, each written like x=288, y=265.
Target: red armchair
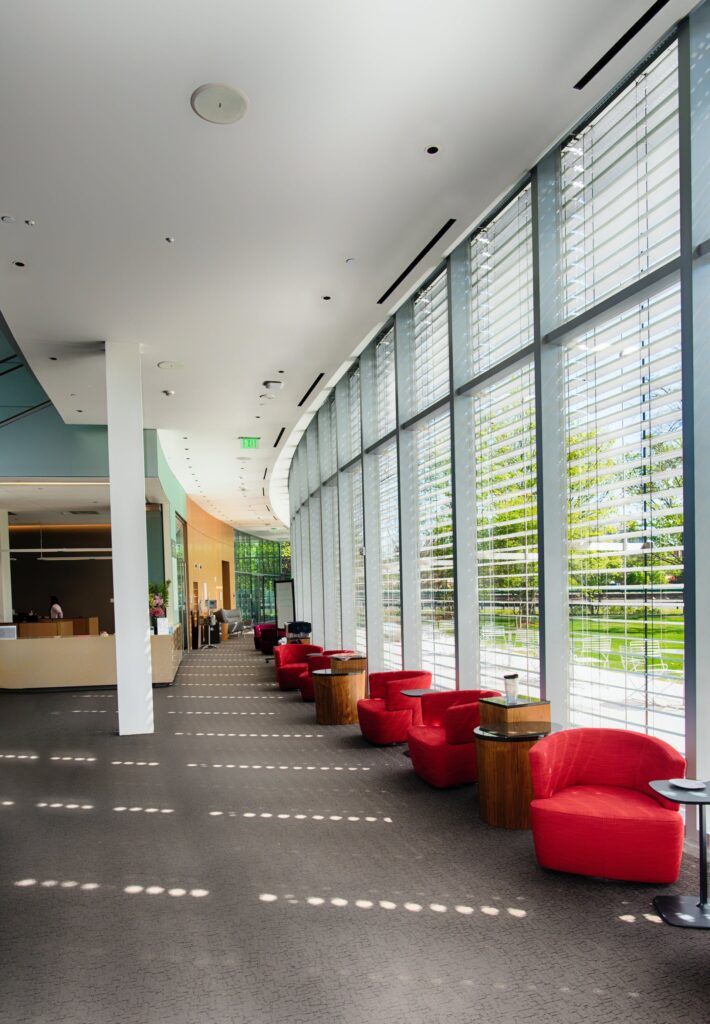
x=593, y=812
x=307, y=683
x=291, y=662
x=257, y=632
x=386, y=715
x=443, y=748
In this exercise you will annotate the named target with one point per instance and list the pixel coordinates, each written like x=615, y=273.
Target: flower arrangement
x=158, y=599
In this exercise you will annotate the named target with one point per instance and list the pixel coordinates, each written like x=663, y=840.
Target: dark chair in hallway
x=270, y=636
x=386, y=714
x=442, y=748
x=593, y=811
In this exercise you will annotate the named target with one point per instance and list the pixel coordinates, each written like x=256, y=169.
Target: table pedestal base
x=683, y=911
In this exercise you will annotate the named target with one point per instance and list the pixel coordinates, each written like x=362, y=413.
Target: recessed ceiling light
x=219, y=103
x=19, y=263
x=431, y=150
x=168, y=392
x=350, y=259
x=30, y=223
x=79, y=410
x=326, y=298
x=7, y=219
x=53, y=359
x=169, y=239
x=168, y=364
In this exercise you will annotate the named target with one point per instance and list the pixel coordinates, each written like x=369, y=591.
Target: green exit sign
x=250, y=442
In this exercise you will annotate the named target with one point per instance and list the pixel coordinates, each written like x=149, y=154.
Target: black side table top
x=522, y=702
x=330, y=672
x=679, y=795
x=516, y=731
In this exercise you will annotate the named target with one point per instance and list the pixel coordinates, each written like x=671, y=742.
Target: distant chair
x=292, y=663
x=493, y=636
x=386, y=714
x=640, y=653
x=442, y=746
x=595, y=648
x=529, y=639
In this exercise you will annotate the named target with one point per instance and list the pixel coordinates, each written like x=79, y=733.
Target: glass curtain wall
x=257, y=564
x=521, y=425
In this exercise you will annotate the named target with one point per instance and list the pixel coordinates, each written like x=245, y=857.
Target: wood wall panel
x=209, y=543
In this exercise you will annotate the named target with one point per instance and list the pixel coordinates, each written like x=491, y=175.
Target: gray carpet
x=267, y=870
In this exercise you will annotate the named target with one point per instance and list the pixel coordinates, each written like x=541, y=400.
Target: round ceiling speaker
x=220, y=104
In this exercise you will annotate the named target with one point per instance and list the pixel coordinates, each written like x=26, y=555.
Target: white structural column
x=5, y=580
x=124, y=402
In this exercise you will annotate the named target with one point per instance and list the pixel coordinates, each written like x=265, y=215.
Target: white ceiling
x=101, y=149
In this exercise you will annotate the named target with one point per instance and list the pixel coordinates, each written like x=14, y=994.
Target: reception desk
x=69, y=662
x=58, y=627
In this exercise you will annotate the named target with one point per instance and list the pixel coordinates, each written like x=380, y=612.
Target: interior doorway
x=226, y=585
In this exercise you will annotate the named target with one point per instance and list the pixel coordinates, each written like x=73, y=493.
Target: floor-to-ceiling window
x=510, y=470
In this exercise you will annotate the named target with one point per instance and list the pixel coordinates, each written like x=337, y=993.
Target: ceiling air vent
x=417, y=259
x=313, y=386
x=621, y=43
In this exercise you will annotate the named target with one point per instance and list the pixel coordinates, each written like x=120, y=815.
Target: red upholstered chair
x=291, y=662
x=270, y=636
x=257, y=632
x=386, y=715
x=442, y=747
x=593, y=812
x=306, y=685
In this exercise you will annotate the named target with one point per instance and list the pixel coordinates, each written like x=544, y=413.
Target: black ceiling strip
x=280, y=435
x=25, y=412
x=265, y=472
x=263, y=493
x=20, y=366
x=621, y=42
x=417, y=259
x=315, y=384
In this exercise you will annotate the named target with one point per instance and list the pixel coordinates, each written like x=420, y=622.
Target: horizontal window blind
x=354, y=413
x=333, y=458
x=313, y=461
x=358, y=557
x=625, y=521
x=506, y=530
x=302, y=470
x=316, y=553
x=389, y=588
x=430, y=344
x=501, y=286
x=305, y=563
x=435, y=564
x=619, y=189
x=385, y=387
x=331, y=567
x=326, y=445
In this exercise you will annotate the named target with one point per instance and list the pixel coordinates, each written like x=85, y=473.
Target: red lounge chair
x=386, y=715
x=593, y=812
x=306, y=685
x=257, y=632
x=291, y=662
x=443, y=748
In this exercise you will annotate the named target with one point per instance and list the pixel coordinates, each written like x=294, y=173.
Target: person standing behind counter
x=55, y=610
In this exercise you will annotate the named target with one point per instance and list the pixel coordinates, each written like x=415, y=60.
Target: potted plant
x=157, y=602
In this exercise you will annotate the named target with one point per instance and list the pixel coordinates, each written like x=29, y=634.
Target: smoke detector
x=273, y=385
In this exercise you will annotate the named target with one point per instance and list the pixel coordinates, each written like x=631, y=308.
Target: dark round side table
x=687, y=911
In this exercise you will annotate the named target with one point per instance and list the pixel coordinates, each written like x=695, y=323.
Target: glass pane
x=625, y=521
